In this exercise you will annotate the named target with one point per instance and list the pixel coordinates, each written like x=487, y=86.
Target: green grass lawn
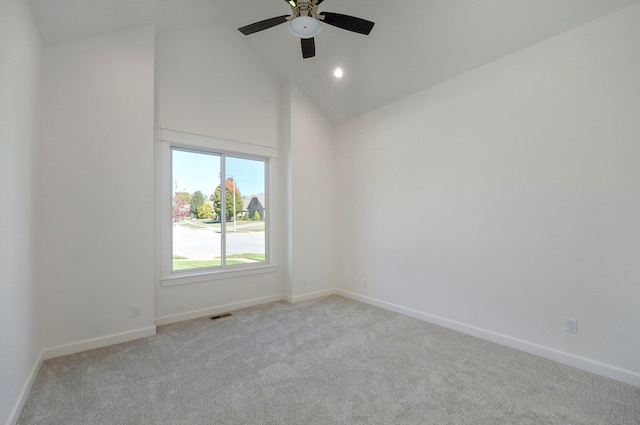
x=195, y=264
x=255, y=227
x=193, y=225
x=215, y=225
x=255, y=257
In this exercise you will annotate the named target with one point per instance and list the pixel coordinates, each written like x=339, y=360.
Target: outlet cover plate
x=571, y=325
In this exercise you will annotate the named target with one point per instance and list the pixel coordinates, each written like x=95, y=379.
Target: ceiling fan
x=304, y=22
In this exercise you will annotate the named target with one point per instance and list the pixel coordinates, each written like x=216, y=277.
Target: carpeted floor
x=326, y=361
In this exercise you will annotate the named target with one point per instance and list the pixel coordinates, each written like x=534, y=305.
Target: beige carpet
x=327, y=361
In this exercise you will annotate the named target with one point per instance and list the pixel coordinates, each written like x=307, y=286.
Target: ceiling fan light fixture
x=304, y=23
x=304, y=26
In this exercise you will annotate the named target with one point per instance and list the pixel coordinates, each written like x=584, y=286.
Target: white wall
x=97, y=202
x=210, y=83
x=311, y=200
x=506, y=199
x=20, y=206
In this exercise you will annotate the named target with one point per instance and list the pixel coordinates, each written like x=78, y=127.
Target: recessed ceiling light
x=338, y=72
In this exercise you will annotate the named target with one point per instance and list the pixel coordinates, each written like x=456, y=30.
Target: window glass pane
x=197, y=240
x=246, y=211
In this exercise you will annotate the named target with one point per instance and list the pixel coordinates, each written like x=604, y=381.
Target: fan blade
x=263, y=25
x=308, y=47
x=346, y=22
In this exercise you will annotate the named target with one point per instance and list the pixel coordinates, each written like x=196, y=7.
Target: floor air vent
x=222, y=316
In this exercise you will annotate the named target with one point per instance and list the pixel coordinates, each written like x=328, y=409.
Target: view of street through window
x=208, y=210
x=198, y=242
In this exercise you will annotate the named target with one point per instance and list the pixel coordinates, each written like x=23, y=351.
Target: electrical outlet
x=571, y=325
x=365, y=283
x=135, y=311
x=305, y=282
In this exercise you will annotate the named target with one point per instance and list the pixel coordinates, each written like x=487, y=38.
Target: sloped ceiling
x=413, y=45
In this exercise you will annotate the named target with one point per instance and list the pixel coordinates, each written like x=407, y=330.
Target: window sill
x=208, y=275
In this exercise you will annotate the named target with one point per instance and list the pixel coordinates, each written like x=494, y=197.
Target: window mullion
x=223, y=210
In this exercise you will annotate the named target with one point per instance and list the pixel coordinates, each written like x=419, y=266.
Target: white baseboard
x=589, y=365
x=225, y=308
x=310, y=296
x=93, y=343
x=215, y=310
x=24, y=392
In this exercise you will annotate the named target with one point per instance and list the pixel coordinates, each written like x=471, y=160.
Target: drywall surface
x=97, y=203
x=506, y=200
x=20, y=203
x=312, y=200
x=209, y=83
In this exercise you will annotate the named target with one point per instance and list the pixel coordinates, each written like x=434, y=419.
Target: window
x=219, y=212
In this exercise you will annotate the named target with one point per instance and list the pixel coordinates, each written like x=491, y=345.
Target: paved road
x=204, y=244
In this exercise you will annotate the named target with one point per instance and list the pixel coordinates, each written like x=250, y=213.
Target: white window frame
x=226, y=148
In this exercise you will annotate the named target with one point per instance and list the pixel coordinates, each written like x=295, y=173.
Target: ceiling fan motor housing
x=304, y=8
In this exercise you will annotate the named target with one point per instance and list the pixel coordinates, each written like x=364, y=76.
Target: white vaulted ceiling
x=414, y=44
